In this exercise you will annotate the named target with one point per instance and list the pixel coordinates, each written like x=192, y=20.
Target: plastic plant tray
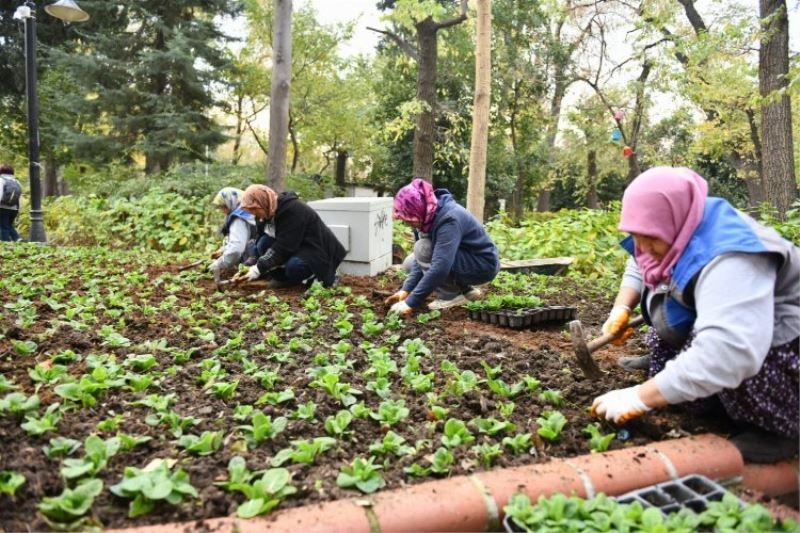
x=524, y=318
x=691, y=492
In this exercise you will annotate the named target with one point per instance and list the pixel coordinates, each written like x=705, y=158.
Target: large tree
x=776, y=113
x=480, y=122
x=144, y=73
x=422, y=15
x=280, y=95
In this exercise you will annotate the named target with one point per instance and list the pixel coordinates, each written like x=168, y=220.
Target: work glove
x=251, y=275
x=399, y=296
x=401, y=308
x=215, y=266
x=617, y=322
x=619, y=405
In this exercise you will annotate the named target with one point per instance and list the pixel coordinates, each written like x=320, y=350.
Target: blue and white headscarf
x=231, y=197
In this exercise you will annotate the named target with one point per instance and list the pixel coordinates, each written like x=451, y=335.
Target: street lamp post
x=68, y=11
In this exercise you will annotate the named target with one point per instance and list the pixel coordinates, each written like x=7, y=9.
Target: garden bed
x=86, y=309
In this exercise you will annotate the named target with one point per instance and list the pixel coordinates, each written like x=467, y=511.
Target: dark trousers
x=294, y=271
x=7, y=230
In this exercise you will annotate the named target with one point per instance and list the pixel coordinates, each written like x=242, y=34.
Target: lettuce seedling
x=24, y=348
x=336, y=426
x=552, y=397
x=6, y=384
x=223, y=391
x=456, y=433
x=424, y=318
x=550, y=425
x=487, y=453
x=360, y=410
x=392, y=443
x=390, y=412
x=242, y=412
x=518, y=443
x=129, y=442
x=274, y=397
x=110, y=424
x=206, y=444
x=361, y=474
x=66, y=511
x=266, y=493
x=10, y=482
x=492, y=426
x=262, y=427
x=61, y=447
x=16, y=403
x=141, y=363
x=35, y=425
x=441, y=461
x=47, y=374
x=151, y=484
x=598, y=441
x=304, y=451
x=305, y=411
x=97, y=452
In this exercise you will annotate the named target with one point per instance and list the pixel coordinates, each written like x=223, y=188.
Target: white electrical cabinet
x=364, y=227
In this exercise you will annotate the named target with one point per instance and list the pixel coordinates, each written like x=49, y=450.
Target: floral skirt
x=769, y=400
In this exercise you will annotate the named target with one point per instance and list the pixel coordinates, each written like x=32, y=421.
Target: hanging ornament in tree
x=627, y=151
x=619, y=115
x=616, y=135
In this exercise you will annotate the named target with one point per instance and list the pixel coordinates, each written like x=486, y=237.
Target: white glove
x=253, y=274
x=617, y=319
x=401, y=308
x=214, y=266
x=620, y=405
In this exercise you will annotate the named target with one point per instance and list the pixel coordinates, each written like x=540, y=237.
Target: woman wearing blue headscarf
x=240, y=230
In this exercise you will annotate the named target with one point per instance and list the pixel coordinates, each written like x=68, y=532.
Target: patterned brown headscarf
x=260, y=197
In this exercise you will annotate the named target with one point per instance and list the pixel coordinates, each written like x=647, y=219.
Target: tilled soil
x=545, y=354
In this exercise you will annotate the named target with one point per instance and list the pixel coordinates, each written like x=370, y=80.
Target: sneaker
x=634, y=363
x=447, y=304
x=472, y=294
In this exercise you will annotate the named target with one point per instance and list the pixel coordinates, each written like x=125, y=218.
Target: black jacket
x=300, y=232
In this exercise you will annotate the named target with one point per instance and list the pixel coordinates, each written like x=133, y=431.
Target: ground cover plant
x=132, y=394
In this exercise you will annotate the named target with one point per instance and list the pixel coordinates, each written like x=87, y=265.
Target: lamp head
x=68, y=11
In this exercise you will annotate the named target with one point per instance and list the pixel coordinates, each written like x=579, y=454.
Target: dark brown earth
x=544, y=354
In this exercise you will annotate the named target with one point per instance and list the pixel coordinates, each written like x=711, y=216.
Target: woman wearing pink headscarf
x=453, y=252
x=720, y=293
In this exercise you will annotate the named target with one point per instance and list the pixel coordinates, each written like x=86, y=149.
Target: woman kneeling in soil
x=304, y=248
x=720, y=292
x=452, y=253
x=241, y=233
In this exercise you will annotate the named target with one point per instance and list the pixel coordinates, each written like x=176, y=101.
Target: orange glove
x=617, y=324
x=399, y=296
x=620, y=405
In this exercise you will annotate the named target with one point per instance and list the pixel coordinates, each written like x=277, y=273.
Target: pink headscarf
x=666, y=203
x=416, y=203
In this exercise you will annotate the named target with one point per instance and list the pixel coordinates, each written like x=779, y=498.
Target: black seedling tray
x=524, y=318
x=691, y=492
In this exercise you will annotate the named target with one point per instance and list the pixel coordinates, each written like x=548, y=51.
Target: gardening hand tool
x=583, y=350
x=401, y=308
x=191, y=265
x=216, y=254
x=399, y=296
x=620, y=405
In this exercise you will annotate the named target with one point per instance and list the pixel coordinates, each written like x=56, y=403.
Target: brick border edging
x=475, y=502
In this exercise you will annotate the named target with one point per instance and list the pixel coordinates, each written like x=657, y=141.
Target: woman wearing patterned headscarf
x=304, y=249
x=453, y=252
x=720, y=293
x=238, y=230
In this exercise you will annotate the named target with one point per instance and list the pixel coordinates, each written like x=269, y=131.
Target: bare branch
x=458, y=20
x=694, y=17
x=404, y=45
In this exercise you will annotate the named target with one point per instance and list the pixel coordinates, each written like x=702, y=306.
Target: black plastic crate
x=524, y=318
x=692, y=492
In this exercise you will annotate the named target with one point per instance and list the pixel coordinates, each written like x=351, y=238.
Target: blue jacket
x=460, y=245
x=722, y=230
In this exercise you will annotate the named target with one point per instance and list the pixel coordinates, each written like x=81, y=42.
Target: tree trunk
x=279, y=97
x=543, y=203
x=341, y=167
x=237, y=138
x=295, y=144
x=517, y=207
x=426, y=93
x=476, y=187
x=776, y=114
x=591, y=179
x=50, y=174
